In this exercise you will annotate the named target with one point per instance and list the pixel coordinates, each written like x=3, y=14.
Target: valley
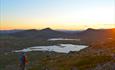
x=99, y=55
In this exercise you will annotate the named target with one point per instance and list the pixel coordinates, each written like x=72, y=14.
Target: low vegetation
x=87, y=59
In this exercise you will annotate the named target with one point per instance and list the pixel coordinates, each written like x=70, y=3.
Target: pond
x=59, y=39
x=61, y=48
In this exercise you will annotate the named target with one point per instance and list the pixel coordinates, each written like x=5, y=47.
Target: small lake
x=61, y=48
x=59, y=39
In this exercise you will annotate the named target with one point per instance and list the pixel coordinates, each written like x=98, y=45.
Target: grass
x=92, y=61
x=55, y=61
x=63, y=62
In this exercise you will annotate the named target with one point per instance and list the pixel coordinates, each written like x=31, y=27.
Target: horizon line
x=57, y=29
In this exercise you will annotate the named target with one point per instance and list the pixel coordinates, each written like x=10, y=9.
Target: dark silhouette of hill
x=44, y=33
x=97, y=34
x=9, y=31
x=86, y=35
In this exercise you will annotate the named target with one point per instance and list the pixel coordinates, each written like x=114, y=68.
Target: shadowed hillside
x=40, y=34
x=97, y=34
x=100, y=55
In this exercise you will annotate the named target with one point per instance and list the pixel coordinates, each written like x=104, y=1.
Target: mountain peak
x=90, y=29
x=47, y=29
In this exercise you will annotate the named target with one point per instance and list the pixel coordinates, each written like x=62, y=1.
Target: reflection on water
x=61, y=48
x=56, y=39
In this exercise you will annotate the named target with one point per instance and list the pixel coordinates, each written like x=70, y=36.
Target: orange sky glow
x=57, y=14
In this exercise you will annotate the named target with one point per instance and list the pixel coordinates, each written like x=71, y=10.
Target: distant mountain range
x=13, y=31
x=9, y=31
x=89, y=34
x=97, y=34
x=44, y=33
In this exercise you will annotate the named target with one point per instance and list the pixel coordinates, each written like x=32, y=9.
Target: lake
x=61, y=48
x=61, y=39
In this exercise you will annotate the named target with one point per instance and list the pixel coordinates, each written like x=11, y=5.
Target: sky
x=57, y=14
